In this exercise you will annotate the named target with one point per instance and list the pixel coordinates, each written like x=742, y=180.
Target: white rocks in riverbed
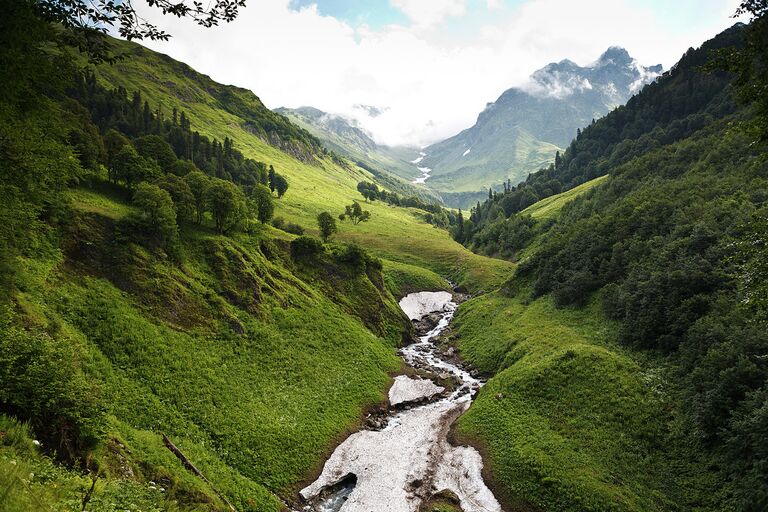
x=406, y=389
x=460, y=471
x=418, y=305
x=399, y=467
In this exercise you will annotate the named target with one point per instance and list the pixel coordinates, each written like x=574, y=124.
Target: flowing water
x=409, y=460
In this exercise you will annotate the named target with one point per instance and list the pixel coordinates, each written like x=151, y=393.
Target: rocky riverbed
x=405, y=458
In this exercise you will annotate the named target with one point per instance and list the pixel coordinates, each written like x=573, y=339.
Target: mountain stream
x=406, y=458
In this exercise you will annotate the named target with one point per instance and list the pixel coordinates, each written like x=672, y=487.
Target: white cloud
x=426, y=13
x=431, y=85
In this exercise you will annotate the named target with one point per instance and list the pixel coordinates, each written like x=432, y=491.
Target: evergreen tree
x=459, y=233
x=271, y=177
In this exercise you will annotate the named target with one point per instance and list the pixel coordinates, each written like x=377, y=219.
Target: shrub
x=41, y=381
x=358, y=258
x=305, y=247
x=288, y=227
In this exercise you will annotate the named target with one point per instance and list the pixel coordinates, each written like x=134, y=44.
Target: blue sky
x=375, y=13
x=674, y=15
x=432, y=65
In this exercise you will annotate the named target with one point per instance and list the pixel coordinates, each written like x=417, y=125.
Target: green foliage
x=751, y=258
x=306, y=247
x=288, y=227
x=156, y=148
x=182, y=168
x=262, y=203
x=673, y=108
x=358, y=259
x=355, y=213
x=84, y=136
x=227, y=205
x=198, y=184
x=184, y=202
x=156, y=217
x=750, y=63
x=370, y=191
x=327, y=225
x=42, y=381
x=281, y=185
x=131, y=168
x=114, y=141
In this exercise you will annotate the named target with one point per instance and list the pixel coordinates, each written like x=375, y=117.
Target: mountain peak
x=615, y=55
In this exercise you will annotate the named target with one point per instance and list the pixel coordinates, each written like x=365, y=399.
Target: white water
x=425, y=171
x=410, y=460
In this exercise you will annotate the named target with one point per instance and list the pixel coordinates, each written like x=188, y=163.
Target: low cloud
x=428, y=80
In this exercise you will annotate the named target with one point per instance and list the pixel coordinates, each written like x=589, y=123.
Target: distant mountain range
x=347, y=138
x=517, y=134
x=521, y=131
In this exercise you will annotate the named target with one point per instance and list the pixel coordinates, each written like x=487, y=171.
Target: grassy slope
x=569, y=421
x=393, y=233
x=258, y=411
x=550, y=207
x=254, y=411
x=488, y=163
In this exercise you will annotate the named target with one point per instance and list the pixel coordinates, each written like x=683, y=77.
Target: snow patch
x=418, y=305
x=406, y=389
x=467, y=152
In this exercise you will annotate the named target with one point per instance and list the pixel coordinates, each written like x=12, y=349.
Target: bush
x=358, y=258
x=288, y=227
x=41, y=382
x=306, y=247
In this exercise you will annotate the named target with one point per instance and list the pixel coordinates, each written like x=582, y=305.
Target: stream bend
x=409, y=460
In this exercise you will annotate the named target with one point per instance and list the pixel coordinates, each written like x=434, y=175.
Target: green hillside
x=320, y=185
x=550, y=207
x=624, y=355
x=347, y=139
x=178, y=333
x=124, y=319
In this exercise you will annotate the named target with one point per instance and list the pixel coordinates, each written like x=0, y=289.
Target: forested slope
x=627, y=352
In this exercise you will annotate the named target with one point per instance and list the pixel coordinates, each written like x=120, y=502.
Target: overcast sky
x=432, y=64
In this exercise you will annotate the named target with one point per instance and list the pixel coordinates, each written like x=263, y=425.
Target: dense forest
x=673, y=244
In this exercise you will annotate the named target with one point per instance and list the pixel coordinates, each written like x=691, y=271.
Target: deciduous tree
x=327, y=225
x=355, y=213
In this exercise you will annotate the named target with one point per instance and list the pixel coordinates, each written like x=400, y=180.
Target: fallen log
x=191, y=467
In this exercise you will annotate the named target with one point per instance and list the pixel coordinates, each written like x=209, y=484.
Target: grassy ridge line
x=569, y=421
x=392, y=233
x=550, y=207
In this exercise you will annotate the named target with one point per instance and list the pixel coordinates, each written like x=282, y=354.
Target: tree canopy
x=355, y=213
x=327, y=225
